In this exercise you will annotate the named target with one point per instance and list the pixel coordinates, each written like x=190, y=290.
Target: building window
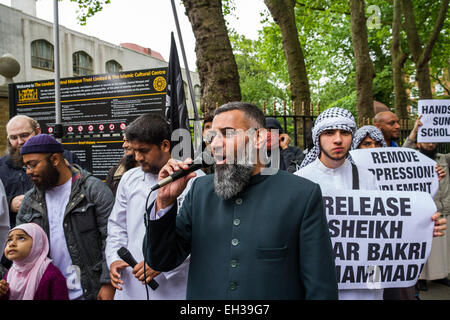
x=42, y=55
x=112, y=66
x=82, y=64
x=186, y=91
x=197, y=92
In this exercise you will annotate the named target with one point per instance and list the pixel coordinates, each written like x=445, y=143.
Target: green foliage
x=347, y=102
x=88, y=8
x=324, y=33
x=257, y=81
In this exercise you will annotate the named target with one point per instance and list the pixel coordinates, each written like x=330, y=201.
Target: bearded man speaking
x=251, y=234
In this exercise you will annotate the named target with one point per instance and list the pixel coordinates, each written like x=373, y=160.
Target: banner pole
x=186, y=67
x=58, y=132
x=197, y=123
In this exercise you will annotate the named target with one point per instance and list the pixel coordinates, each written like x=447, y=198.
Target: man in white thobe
x=149, y=137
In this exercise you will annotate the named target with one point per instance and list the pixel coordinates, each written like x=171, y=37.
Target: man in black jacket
x=19, y=129
x=290, y=156
x=72, y=207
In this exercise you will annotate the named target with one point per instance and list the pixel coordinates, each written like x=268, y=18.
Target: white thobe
x=341, y=178
x=126, y=229
x=56, y=200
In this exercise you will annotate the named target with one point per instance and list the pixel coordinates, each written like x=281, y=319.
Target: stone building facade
x=30, y=41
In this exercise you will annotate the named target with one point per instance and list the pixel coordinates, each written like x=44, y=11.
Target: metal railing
x=298, y=126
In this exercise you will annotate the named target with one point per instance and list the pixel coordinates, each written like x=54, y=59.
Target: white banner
x=401, y=169
x=381, y=239
x=435, y=120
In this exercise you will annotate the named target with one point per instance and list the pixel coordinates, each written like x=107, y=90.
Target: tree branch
x=435, y=34
x=322, y=9
x=440, y=82
x=414, y=42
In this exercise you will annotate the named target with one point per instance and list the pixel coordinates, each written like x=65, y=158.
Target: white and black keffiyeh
x=330, y=119
x=362, y=133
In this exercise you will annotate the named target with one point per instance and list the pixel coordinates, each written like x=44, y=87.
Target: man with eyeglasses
x=19, y=129
x=72, y=206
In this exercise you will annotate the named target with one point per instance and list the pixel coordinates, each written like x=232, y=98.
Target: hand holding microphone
x=126, y=256
x=173, y=179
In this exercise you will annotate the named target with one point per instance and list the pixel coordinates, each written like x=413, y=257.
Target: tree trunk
x=216, y=65
x=365, y=71
x=398, y=61
x=421, y=56
x=283, y=14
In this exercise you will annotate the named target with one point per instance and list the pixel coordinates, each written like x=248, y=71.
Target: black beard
x=230, y=179
x=429, y=153
x=14, y=155
x=129, y=162
x=51, y=177
x=335, y=159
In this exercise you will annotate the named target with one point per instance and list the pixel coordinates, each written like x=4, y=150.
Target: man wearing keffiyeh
x=368, y=137
x=329, y=165
x=331, y=119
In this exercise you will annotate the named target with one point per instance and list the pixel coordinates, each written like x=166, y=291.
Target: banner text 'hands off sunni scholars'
x=435, y=120
x=380, y=239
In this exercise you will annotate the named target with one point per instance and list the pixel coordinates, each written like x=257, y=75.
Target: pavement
x=435, y=291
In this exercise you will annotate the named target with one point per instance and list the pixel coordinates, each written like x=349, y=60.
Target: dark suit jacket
x=271, y=241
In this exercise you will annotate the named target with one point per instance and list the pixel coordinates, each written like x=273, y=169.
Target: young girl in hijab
x=32, y=275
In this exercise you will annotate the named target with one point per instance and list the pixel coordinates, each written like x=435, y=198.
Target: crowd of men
x=236, y=230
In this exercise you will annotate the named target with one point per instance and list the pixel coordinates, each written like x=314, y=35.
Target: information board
x=95, y=110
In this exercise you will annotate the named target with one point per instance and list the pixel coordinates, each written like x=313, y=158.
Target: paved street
x=435, y=292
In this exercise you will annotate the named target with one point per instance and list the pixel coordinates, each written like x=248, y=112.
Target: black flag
x=176, y=109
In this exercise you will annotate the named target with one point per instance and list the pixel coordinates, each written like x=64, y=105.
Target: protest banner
x=435, y=121
x=381, y=239
x=400, y=169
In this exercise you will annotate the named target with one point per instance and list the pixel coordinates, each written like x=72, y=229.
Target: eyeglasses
x=22, y=136
x=32, y=166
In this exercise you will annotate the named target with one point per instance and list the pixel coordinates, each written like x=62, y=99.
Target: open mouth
x=220, y=161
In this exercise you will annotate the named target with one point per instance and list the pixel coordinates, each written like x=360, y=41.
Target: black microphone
x=181, y=173
x=126, y=256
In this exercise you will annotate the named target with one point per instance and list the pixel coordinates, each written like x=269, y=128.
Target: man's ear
x=38, y=130
x=165, y=145
x=55, y=159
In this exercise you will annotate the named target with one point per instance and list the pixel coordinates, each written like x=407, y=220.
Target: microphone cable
x=146, y=220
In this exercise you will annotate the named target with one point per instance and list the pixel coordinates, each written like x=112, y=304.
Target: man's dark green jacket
x=271, y=241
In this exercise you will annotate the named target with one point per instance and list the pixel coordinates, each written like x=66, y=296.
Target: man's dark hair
x=250, y=110
x=148, y=128
x=208, y=118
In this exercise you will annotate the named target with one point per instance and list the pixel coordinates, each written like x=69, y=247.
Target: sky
x=148, y=23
